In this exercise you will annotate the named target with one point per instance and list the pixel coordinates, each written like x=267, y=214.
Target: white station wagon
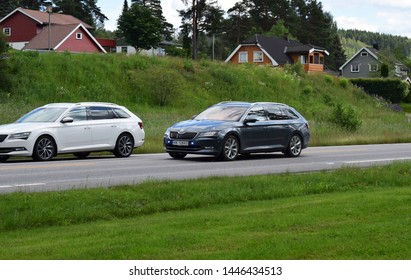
x=77, y=128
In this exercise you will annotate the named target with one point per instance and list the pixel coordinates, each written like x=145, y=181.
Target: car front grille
x=2, y=137
x=182, y=135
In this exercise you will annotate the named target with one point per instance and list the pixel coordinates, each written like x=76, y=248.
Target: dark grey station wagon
x=228, y=129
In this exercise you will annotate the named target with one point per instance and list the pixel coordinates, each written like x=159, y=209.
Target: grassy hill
x=166, y=90
x=345, y=214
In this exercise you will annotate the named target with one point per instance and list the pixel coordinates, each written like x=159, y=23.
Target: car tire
x=230, y=149
x=4, y=158
x=81, y=154
x=124, y=145
x=44, y=149
x=295, y=146
x=177, y=155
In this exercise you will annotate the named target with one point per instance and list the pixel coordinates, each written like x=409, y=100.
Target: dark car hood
x=201, y=125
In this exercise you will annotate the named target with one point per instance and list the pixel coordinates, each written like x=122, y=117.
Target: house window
x=7, y=31
x=322, y=60
x=316, y=58
x=311, y=59
x=79, y=36
x=242, y=57
x=303, y=59
x=373, y=67
x=258, y=56
x=364, y=54
x=355, y=67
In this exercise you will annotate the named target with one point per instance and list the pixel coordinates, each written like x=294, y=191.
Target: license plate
x=180, y=143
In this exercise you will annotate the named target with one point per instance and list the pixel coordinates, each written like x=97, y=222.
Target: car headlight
x=19, y=136
x=167, y=133
x=209, y=134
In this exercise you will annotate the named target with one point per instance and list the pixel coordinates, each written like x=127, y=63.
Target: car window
x=78, y=114
x=101, y=113
x=42, y=114
x=277, y=113
x=291, y=114
x=121, y=114
x=222, y=113
x=257, y=113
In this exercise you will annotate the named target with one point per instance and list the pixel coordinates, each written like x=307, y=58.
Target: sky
x=388, y=17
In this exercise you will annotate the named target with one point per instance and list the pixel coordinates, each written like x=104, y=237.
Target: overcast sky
x=389, y=17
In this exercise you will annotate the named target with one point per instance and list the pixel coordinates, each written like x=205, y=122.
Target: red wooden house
x=29, y=30
x=278, y=51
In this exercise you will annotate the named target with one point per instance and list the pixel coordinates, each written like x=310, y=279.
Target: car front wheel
x=231, y=148
x=44, y=148
x=294, y=146
x=124, y=145
x=177, y=155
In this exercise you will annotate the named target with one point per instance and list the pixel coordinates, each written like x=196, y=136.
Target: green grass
x=163, y=91
x=344, y=214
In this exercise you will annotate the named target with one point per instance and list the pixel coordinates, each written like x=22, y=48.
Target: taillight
x=140, y=124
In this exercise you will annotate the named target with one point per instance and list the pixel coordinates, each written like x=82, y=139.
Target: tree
x=85, y=10
x=155, y=7
x=140, y=28
x=4, y=79
x=194, y=25
x=238, y=23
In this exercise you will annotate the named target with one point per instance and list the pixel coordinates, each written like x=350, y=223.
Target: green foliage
x=4, y=65
x=164, y=85
x=344, y=82
x=140, y=28
x=384, y=70
x=328, y=79
x=393, y=90
x=345, y=117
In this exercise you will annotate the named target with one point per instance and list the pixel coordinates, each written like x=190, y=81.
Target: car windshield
x=42, y=114
x=222, y=113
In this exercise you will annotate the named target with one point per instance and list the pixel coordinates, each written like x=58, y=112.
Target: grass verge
x=344, y=214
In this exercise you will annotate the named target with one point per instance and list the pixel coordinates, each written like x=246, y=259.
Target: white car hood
x=23, y=127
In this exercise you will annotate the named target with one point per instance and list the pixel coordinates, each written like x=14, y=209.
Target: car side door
x=74, y=131
x=254, y=130
x=104, y=129
x=279, y=126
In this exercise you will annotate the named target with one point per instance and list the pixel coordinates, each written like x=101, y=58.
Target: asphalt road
x=102, y=171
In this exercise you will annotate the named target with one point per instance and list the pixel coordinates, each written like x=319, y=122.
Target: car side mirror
x=250, y=119
x=67, y=120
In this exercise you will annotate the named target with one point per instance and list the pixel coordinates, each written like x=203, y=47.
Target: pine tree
x=85, y=10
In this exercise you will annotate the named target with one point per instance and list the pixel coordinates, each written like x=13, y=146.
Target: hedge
x=393, y=90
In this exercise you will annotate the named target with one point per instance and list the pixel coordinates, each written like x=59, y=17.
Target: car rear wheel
x=294, y=146
x=3, y=158
x=124, y=145
x=231, y=148
x=177, y=155
x=44, y=148
x=82, y=154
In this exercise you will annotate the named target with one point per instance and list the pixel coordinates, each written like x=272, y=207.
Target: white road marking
x=23, y=185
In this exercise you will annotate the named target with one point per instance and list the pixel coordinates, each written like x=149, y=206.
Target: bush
x=343, y=82
x=328, y=79
x=393, y=90
x=164, y=86
x=345, y=118
x=384, y=70
x=5, y=83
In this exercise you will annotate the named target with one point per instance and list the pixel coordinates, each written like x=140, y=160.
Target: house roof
x=59, y=34
x=278, y=48
x=373, y=52
x=43, y=17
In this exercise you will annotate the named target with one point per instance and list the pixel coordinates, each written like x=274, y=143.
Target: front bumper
x=203, y=146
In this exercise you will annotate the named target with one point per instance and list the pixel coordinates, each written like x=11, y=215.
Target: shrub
x=5, y=83
x=393, y=90
x=345, y=118
x=343, y=82
x=384, y=70
x=328, y=79
x=164, y=86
